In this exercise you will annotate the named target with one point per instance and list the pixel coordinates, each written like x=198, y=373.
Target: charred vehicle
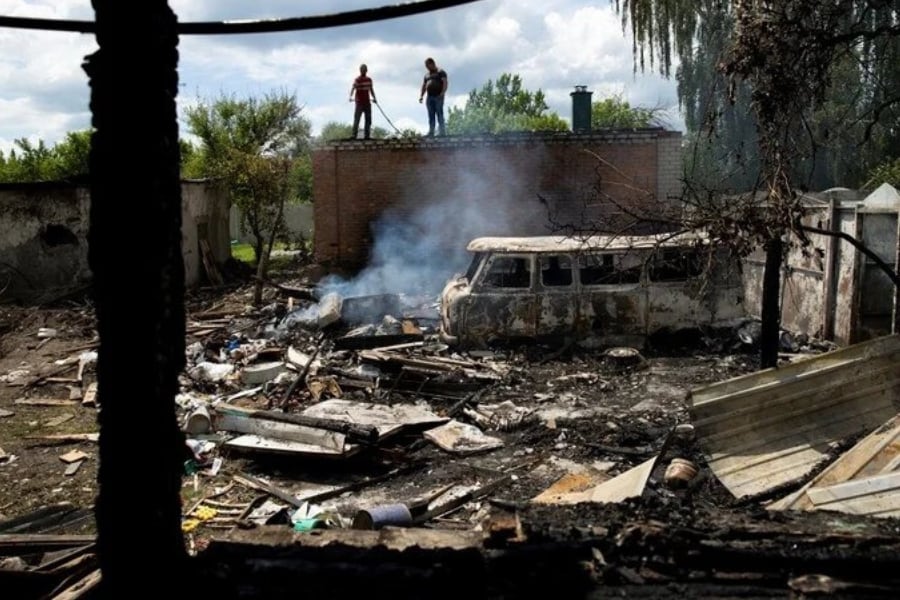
x=610, y=288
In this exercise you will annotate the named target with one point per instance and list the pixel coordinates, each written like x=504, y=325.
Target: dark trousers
x=362, y=109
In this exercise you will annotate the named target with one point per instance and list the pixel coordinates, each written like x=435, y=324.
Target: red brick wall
x=506, y=185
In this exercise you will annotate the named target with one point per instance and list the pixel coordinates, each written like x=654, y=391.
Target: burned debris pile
x=341, y=442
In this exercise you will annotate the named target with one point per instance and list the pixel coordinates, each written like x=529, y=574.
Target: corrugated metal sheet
x=864, y=480
x=765, y=429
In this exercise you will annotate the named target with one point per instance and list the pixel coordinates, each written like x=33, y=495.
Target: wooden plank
x=50, y=374
x=200, y=333
x=63, y=380
x=209, y=264
x=57, y=421
x=90, y=396
x=80, y=560
x=889, y=482
x=572, y=488
x=258, y=484
x=61, y=559
x=362, y=342
x=878, y=452
x=80, y=588
x=37, y=542
x=73, y=456
x=45, y=402
x=72, y=468
x=217, y=314
x=83, y=347
x=63, y=438
x=629, y=484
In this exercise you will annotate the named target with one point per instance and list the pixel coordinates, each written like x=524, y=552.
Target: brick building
x=455, y=188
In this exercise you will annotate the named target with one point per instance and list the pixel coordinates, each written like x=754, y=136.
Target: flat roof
x=559, y=243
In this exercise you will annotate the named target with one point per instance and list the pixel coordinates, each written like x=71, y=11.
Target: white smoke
x=420, y=244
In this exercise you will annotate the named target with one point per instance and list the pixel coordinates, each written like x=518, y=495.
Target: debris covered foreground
x=330, y=437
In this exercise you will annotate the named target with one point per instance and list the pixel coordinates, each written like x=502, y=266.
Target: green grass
x=242, y=252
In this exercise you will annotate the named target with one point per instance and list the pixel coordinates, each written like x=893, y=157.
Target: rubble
x=311, y=434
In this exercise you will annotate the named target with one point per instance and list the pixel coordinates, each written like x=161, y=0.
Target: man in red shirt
x=360, y=91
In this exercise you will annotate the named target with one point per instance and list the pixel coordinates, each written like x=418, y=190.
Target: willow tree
x=783, y=55
x=842, y=138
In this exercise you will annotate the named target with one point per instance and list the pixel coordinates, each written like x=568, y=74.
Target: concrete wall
x=845, y=290
x=205, y=214
x=298, y=219
x=44, y=230
x=822, y=284
x=803, y=300
x=43, y=239
x=356, y=182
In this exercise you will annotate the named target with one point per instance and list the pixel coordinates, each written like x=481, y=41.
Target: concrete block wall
x=44, y=233
x=508, y=184
x=43, y=239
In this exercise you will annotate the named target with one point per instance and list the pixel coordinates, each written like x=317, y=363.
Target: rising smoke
x=420, y=244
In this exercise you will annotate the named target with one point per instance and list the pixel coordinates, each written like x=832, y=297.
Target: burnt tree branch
x=894, y=277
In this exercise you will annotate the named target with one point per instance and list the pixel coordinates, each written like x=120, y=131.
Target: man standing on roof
x=360, y=91
x=435, y=84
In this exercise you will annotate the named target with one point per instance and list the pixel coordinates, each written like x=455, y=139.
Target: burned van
x=608, y=288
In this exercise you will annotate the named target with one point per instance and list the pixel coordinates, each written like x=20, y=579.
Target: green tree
x=193, y=160
x=503, y=105
x=32, y=162
x=29, y=161
x=838, y=139
x=616, y=112
x=254, y=145
x=72, y=153
x=887, y=172
x=333, y=131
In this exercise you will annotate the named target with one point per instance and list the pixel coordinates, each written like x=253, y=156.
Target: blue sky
x=552, y=44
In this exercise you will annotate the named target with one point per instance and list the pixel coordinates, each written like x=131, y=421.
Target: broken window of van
x=609, y=268
x=508, y=272
x=676, y=264
x=473, y=266
x=556, y=271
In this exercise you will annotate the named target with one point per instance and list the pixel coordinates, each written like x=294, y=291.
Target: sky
x=553, y=45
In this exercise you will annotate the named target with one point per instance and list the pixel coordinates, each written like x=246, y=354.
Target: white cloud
x=553, y=45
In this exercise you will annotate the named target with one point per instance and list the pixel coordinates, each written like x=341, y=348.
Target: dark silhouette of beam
x=134, y=250
x=353, y=17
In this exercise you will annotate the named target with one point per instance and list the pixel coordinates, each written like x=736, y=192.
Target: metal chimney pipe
x=581, y=108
